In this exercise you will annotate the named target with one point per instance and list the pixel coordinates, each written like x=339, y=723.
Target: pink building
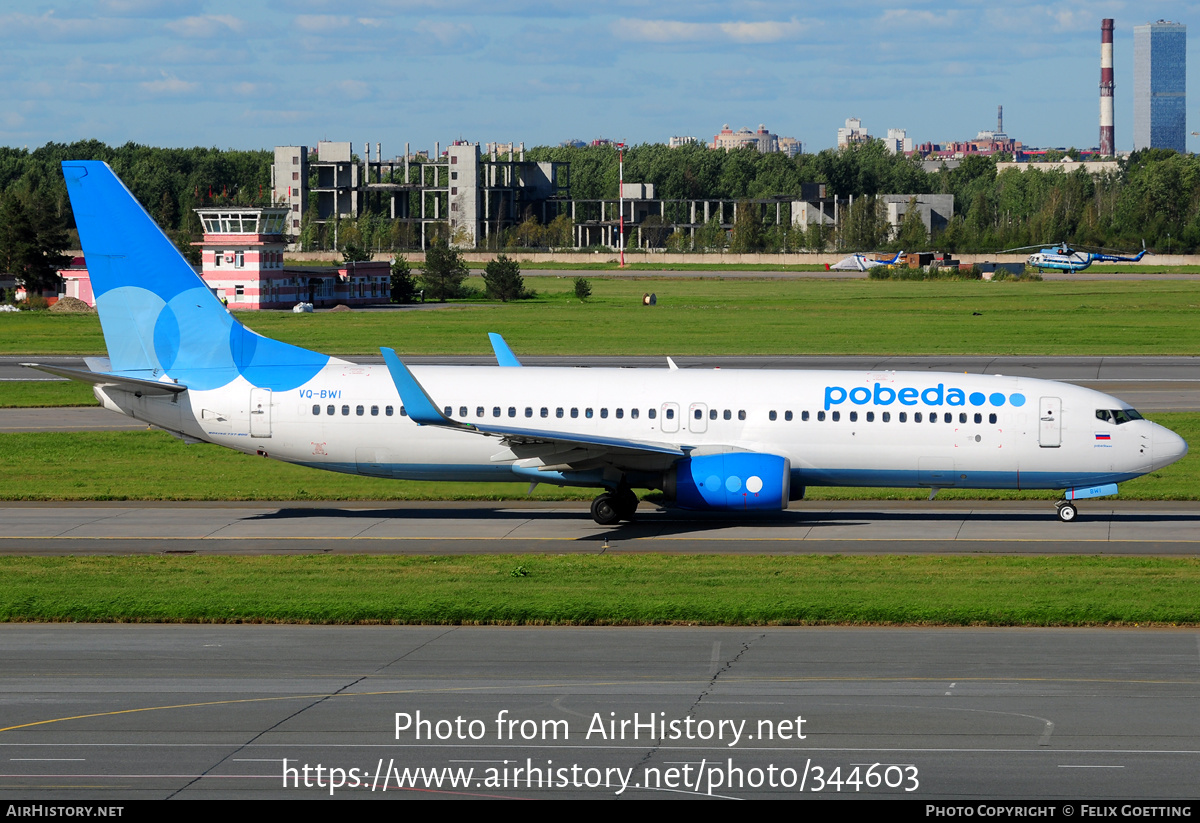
x=76, y=282
x=242, y=262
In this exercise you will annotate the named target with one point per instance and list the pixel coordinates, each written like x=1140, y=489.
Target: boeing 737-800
x=723, y=440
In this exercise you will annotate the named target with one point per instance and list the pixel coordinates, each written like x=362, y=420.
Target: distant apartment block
x=680, y=142
x=1160, y=86
x=852, y=134
x=762, y=141
x=898, y=141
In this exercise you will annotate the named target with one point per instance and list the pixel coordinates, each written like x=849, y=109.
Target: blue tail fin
x=158, y=316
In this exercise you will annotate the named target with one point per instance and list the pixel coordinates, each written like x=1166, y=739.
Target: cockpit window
x=1117, y=416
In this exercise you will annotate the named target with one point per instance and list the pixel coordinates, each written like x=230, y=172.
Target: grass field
x=605, y=590
x=152, y=465
x=697, y=317
x=27, y=394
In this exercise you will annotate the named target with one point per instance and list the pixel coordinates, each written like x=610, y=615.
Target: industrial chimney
x=1107, y=140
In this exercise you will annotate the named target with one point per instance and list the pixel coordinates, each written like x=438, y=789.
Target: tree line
x=1154, y=195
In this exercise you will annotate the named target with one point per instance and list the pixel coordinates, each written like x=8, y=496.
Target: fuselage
x=901, y=429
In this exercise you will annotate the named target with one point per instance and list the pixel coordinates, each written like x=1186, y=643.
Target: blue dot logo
x=996, y=399
x=1017, y=400
x=977, y=398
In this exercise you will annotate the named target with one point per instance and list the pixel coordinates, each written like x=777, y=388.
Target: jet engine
x=734, y=481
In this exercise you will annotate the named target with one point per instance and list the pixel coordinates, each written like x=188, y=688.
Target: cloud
x=678, y=31
x=169, y=84
x=924, y=19
x=26, y=29
x=353, y=89
x=144, y=8
x=447, y=35
x=209, y=25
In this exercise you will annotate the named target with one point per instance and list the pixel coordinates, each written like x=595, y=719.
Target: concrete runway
x=1104, y=527
x=98, y=713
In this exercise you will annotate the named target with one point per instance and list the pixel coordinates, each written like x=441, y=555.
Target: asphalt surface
x=1104, y=527
x=101, y=713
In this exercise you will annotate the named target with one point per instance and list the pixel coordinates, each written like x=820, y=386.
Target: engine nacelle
x=735, y=481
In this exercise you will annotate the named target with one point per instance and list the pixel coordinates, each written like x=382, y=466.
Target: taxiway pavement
x=426, y=527
x=106, y=713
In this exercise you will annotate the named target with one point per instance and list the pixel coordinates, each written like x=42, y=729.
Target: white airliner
x=723, y=440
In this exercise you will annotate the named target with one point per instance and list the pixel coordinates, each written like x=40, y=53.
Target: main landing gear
x=611, y=508
x=1066, y=510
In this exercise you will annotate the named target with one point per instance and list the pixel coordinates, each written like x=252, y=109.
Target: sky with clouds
x=260, y=73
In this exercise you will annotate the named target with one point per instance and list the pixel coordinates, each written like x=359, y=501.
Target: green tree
x=444, y=271
x=352, y=253
x=502, y=277
x=561, y=232
x=711, y=235
x=912, y=235
x=864, y=226
x=816, y=237
x=32, y=243
x=583, y=289
x=403, y=286
x=747, y=229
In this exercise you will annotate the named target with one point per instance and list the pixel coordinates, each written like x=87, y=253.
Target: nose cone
x=1166, y=448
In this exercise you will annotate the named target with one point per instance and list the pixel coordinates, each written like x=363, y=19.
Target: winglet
x=671, y=365
x=504, y=355
x=417, y=403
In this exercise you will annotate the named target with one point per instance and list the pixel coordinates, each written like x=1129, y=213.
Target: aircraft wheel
x=626, y=503
x=605, y=510
x=1066, y=511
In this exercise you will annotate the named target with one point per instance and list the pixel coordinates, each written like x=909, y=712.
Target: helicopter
x=1064, y=258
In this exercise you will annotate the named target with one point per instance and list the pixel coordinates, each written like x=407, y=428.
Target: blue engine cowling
x=736, y=481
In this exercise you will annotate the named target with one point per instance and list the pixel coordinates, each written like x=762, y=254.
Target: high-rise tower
x=1107, y=140
x=1160, y=86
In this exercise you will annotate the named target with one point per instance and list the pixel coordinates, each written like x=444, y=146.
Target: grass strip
x=152, y=465
x=602, y=590
x=26, y=394
x=697, y=317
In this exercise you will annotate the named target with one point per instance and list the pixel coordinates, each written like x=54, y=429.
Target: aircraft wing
x=567, y=448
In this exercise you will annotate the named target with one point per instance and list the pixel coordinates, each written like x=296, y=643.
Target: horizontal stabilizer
x=133, y=384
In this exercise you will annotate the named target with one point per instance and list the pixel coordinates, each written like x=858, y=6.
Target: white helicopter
x=1064, y=258
x=861, y=262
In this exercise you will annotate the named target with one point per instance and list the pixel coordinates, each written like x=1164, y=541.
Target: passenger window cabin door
x=670, y=417
x=260, y=412
x=1050, y=422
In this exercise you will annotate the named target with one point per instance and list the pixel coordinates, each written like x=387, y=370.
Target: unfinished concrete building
x=471, y=197
x=474, y=196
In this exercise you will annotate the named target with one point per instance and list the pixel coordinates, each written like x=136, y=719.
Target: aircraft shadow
x=671, y=522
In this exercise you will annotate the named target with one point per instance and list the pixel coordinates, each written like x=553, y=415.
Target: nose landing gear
x=1066, y=510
